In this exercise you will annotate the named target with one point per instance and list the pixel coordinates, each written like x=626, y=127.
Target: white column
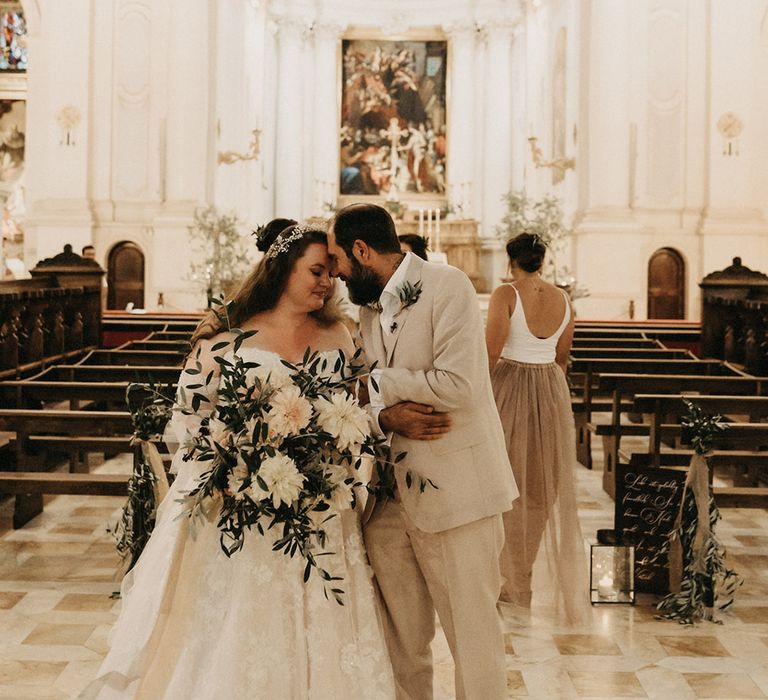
x=186, y=150
x=100, y=138
x=325, y=118
x=606, y=152
x=290, y=122
x=497, y=148
x=519, y=116
x=190, y=53
x=498, y=120
x=461, y=115
x=606, y=222
x=56, y=177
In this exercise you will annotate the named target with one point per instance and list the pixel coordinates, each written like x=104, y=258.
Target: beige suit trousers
x=454, y=572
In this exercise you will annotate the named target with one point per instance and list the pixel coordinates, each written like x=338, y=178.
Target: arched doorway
x=666, y=284
x=125, y=276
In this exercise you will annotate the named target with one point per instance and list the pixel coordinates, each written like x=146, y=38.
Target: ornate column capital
x=500, y=31
x=289, y=26
x=327, y=30
x=462, y=30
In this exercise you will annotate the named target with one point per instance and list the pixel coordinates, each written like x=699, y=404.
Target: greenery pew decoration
x=699, y=580
x=150, y=409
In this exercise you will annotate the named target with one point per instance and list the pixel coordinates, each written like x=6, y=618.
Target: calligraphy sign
x=647, y=501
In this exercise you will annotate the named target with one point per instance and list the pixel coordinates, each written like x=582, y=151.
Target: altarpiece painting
x=393, y=117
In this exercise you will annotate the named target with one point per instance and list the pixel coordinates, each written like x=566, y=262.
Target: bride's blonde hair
x=265, y=284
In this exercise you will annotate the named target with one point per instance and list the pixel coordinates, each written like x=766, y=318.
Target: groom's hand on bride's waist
x=415, y=420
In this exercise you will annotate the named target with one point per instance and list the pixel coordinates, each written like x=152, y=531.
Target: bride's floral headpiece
x=283, y=242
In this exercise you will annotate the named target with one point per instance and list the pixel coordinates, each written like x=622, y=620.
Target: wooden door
x=125, y=276
x=666, y=284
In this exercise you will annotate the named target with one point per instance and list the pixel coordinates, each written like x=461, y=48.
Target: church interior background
x=641, y=118
x=130, y=125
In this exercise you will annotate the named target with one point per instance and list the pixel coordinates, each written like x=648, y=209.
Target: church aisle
x=56, y=576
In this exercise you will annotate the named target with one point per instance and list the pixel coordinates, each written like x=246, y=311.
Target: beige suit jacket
x=437, y=356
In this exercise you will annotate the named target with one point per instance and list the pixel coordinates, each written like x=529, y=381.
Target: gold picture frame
x=393, y=99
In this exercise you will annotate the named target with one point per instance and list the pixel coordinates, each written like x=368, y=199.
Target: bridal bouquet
x=284, y=445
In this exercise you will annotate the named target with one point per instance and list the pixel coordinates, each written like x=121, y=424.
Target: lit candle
x=605, y=586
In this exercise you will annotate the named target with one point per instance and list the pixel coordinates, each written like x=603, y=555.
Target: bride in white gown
x=196, y=624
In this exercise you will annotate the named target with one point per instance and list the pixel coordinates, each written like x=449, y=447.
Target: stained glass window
x=13, y=38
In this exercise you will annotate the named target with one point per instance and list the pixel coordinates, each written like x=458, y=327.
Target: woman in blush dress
x=529, y=334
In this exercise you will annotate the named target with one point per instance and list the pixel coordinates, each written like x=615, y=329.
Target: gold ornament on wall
x=561, y=164
x=730, y=127
x=68, y=118
x=253, y=152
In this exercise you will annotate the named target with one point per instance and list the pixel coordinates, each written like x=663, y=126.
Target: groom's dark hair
x=369, y=223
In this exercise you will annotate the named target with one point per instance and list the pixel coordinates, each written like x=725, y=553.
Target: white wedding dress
x=197, y=625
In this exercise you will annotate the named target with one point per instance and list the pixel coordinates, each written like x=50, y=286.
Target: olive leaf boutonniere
x=409, y=293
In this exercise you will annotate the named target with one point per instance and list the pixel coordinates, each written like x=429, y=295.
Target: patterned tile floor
x=56, y=576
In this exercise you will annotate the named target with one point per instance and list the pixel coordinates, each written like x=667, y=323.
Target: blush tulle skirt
x=542, y=530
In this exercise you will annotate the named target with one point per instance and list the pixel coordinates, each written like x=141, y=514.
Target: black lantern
x=612, y=573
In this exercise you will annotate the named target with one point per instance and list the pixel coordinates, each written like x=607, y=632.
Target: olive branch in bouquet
x=285, y=444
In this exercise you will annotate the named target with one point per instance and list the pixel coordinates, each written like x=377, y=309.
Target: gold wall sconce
x=68, y=118
x=562, y=164
x=254, y=150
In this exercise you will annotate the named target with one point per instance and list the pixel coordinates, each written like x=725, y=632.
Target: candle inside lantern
x=605, y=586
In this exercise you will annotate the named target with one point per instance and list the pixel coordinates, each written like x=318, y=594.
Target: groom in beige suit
x=436, y=549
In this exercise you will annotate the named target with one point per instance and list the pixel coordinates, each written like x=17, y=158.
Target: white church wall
x=661, y=166
x=163, y=86
x=57, y=158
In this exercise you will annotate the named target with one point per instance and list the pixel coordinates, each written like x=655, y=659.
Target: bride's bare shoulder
x=337, y=335
x=206, y=345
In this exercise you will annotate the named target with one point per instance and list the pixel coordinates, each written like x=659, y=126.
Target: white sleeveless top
x=523, y=346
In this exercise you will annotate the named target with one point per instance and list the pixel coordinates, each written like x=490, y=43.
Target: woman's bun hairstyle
x=527, y=251
x=266, y=234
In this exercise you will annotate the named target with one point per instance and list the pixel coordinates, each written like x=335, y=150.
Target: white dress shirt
x=390, y=306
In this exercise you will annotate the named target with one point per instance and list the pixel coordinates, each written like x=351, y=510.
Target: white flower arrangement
x=284, y=446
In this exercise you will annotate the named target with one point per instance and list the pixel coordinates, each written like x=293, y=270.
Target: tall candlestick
x=437, y=230
x=421, y=222
x=429, y=222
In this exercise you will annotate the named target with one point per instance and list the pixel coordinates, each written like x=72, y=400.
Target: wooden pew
x=592, y=342
x=169, y=335
x=144, y=374
x=29, y=393
x=743, y=445
x=661, y=408
x=166, y=358
x=179, y=346
x=614, y=353
x=56, y=483
x=585, y=372
x=35, y=429
x=622, y=389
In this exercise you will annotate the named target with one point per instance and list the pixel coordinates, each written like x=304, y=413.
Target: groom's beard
x=363, y=285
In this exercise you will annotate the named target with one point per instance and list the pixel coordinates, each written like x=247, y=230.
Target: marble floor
x=57, y=577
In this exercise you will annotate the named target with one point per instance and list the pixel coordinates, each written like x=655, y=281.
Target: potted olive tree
x=220, y=259
x=544, y=218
